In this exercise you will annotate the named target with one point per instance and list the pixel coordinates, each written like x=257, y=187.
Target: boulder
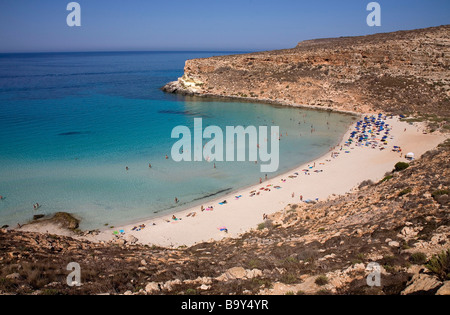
x=394, y=244
x=130, y=239
x=152, y=287
x=170, y=284
x=421, y=283
x=13, y=276
x=443, y=200
x=236, y=273
x=409, y=232
x=119, y=242
x=445, y=289
x=250, y=274
x=205, y=287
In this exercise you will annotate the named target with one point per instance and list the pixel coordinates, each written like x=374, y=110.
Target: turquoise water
x=70, y=124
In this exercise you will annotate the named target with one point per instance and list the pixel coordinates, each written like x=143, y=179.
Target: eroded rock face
x=401, y=72
x=445, y=289
x=422, y=283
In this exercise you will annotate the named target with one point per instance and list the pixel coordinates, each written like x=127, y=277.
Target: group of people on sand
x=139, y=227
x=210, y=208
x=371, y=131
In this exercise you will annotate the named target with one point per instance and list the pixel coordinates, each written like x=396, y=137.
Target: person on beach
x=293, y=195
x=126, y=168
x=176, y=200
x=149, y=165
x=260, y=180
x=301, y=197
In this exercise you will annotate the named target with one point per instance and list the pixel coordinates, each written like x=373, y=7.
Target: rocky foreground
x=401, y=223
x=404, y=73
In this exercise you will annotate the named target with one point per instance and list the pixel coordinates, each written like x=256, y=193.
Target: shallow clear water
x=71, y=123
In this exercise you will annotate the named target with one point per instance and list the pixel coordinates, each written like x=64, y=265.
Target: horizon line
x=129, y=51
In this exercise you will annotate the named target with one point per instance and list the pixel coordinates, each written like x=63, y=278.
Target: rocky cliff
x=403, y=73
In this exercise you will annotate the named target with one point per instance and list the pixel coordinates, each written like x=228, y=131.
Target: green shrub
x=289, y=278
x=440, y=265
x=365, y=183
x=291, y=260
x=404, y=192
x=401, y=166
x=386, y=178
x=323, y=292
x=254, y=264
x=321, y=280
x=50, y=292
x=418, y=258
x=266, y=224
x=439, y=193
x=191, y=292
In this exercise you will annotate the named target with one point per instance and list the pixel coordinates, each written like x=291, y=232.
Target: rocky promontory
x=406, y=72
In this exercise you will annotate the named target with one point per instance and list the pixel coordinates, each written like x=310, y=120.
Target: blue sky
x=40, y=26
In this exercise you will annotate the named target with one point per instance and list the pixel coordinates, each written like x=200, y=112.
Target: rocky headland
x=404, y=73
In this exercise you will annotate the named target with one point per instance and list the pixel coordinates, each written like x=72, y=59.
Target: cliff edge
x=406, y=72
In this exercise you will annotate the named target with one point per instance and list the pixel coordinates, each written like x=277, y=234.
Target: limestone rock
x=236, y=273
x=130, y=239
x=13, y=276
x=152, y=287
x=394, y=244
x=421, y=283
x=445, y=289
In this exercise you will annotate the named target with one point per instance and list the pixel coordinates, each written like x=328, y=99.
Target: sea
x=79, y=130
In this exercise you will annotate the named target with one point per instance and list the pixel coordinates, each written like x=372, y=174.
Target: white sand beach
x=331, y=176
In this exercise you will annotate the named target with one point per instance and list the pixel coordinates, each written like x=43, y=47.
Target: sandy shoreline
x=334, y=176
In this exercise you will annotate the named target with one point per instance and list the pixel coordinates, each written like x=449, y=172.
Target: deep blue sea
x=70, y=124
